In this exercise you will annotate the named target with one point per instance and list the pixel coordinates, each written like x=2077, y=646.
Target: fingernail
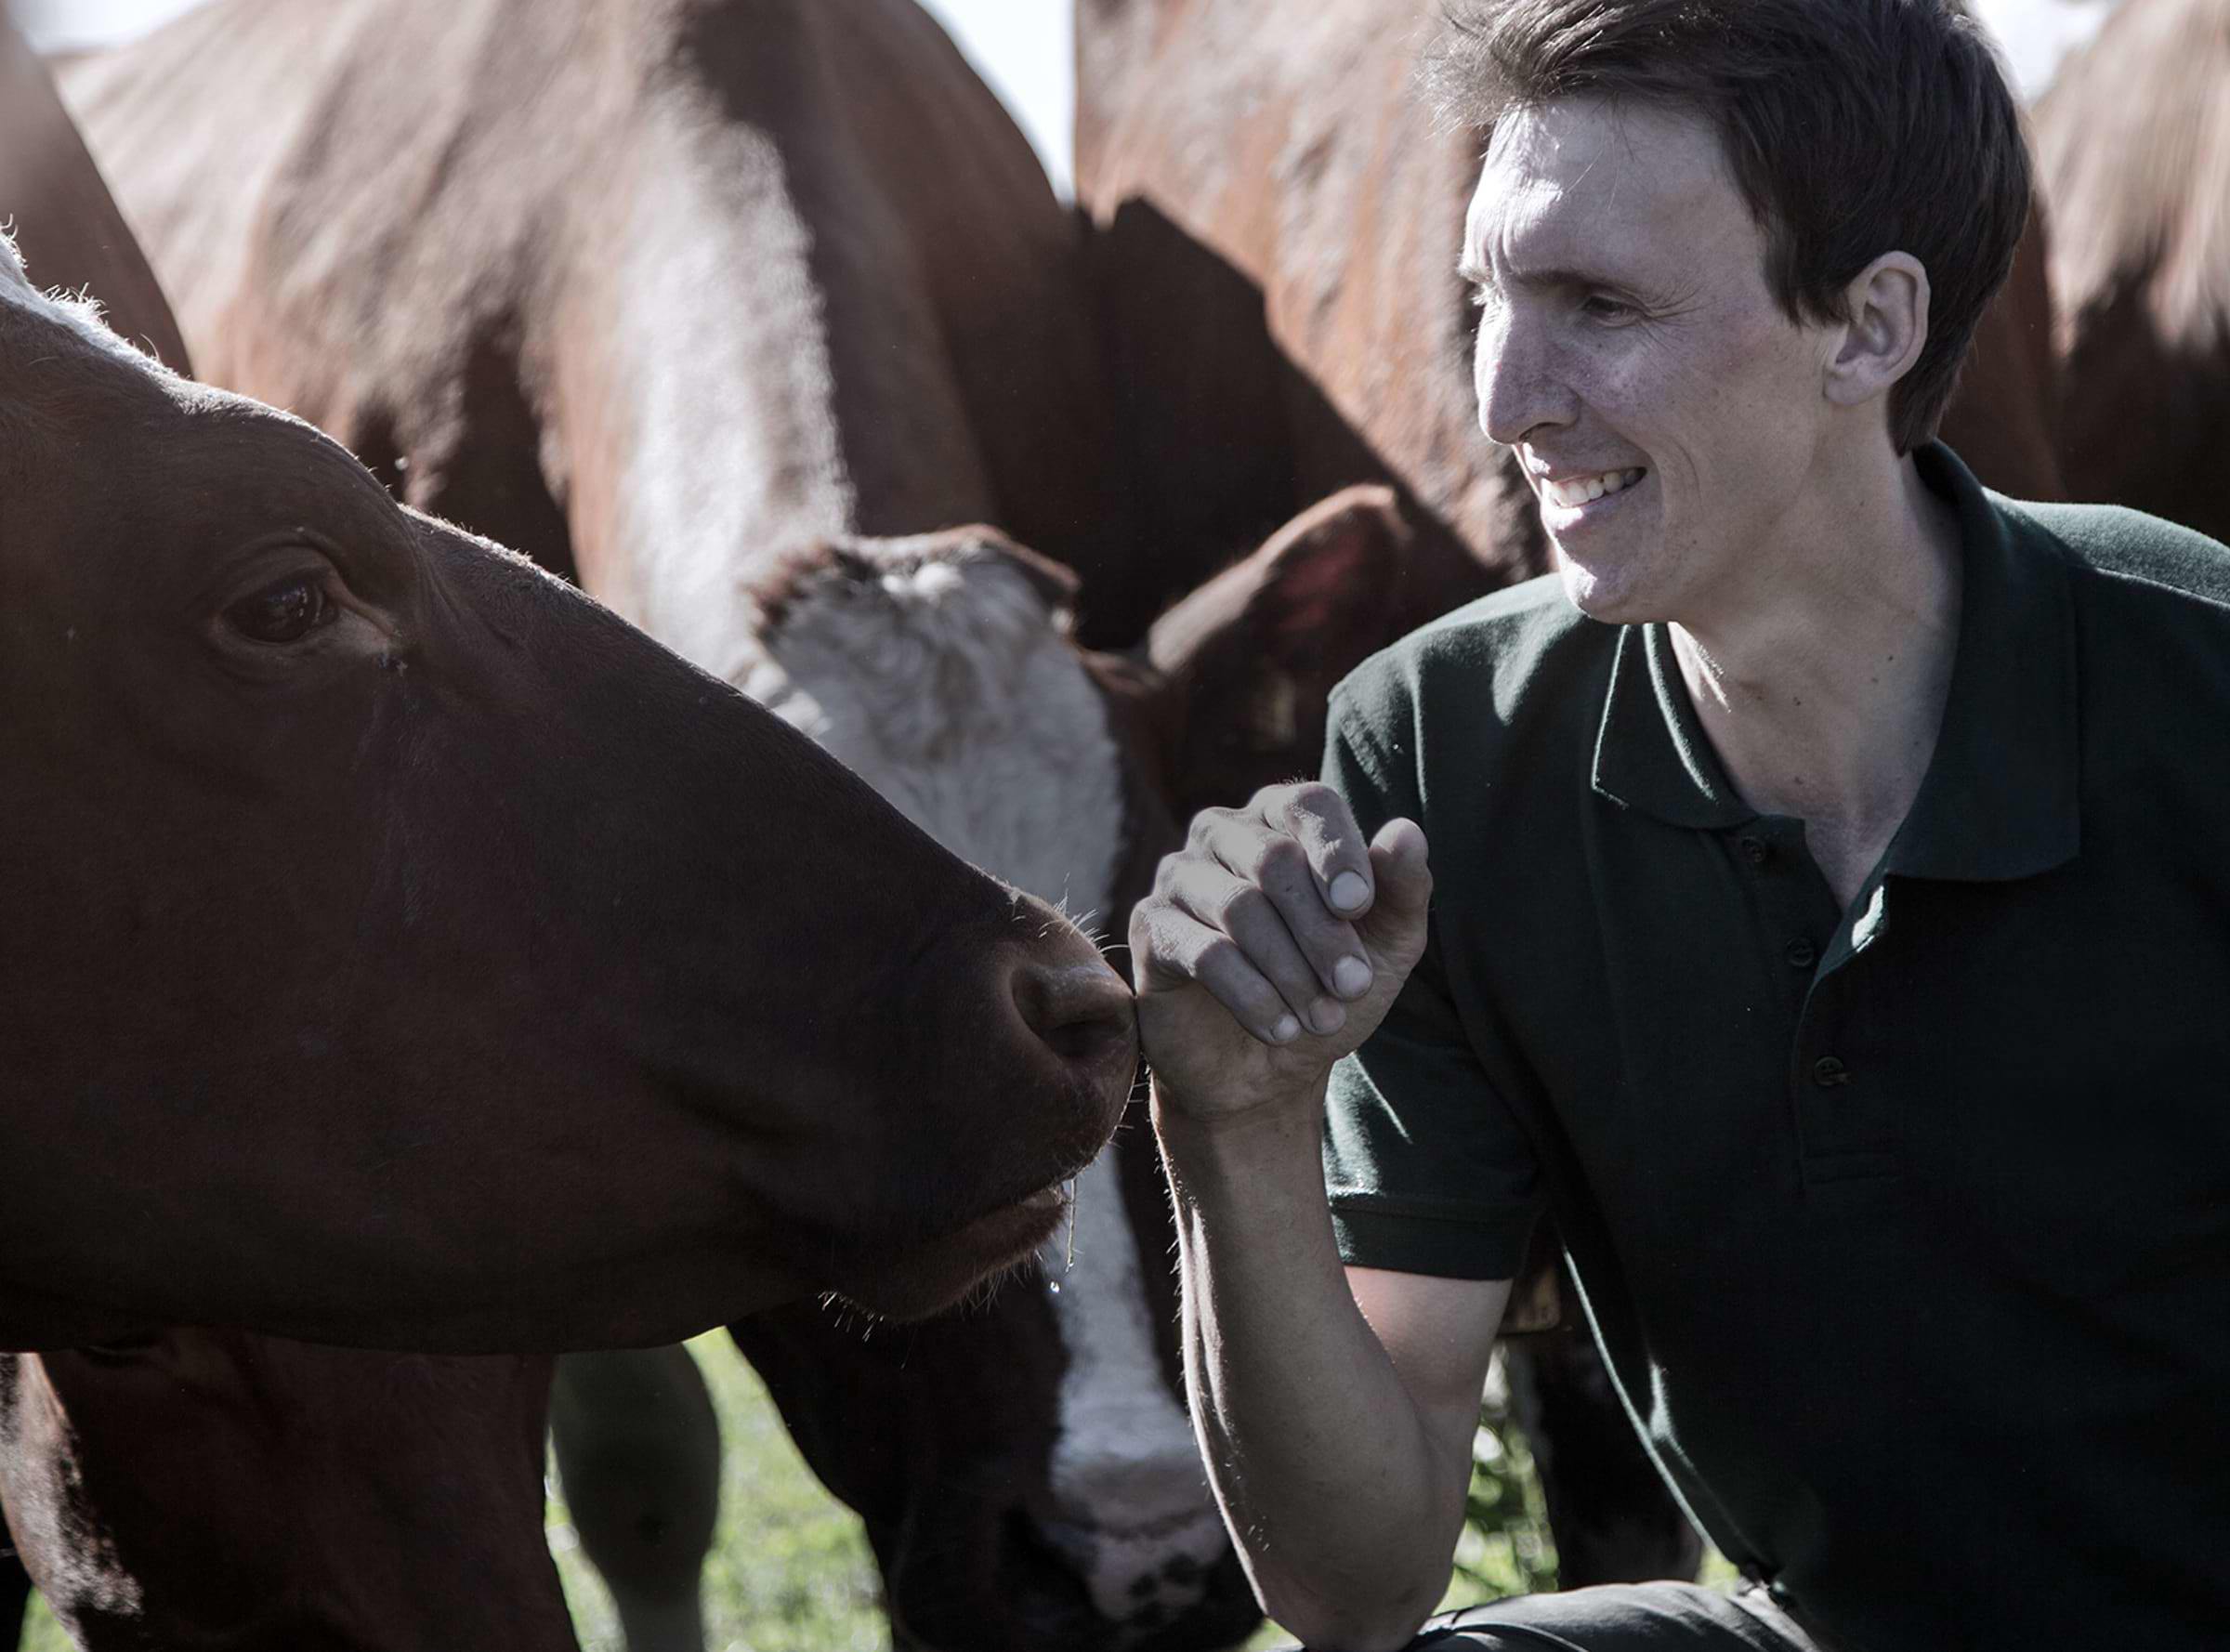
x=1349, y=891
x=1352, y=975
x=1287, y=1030
x=1326, y=1016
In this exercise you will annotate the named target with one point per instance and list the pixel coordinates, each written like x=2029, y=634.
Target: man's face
x=1667, y=411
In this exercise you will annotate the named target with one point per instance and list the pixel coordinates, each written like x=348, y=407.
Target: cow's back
x=2133, y=146
x=65, y=224
x=464, y=234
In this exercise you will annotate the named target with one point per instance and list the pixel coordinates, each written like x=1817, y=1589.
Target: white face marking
x=1126, y=1471
x=947, y=685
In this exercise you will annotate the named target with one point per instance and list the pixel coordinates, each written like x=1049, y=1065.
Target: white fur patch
x=946, y=683
x=932, y=667
x=733, y=451
x=1139, y=1521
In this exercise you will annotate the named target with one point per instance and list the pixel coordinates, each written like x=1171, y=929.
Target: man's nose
x=1515, y=373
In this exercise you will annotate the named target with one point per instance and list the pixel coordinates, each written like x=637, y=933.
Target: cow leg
x=1612, y=1517
x=638, y=1451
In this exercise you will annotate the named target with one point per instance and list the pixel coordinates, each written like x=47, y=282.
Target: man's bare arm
x=1335, y=1409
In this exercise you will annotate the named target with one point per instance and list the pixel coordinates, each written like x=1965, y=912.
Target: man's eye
x=285, y=612
x=1602, y=306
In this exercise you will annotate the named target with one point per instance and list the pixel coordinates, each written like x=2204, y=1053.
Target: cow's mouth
x=937, y=1274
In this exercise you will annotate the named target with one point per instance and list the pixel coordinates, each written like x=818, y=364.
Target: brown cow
x=2133, y=146
x=352, y=860
x=247, y=1493
x=1278, y=215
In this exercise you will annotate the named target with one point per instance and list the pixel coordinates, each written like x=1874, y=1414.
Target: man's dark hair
x=1852, y=128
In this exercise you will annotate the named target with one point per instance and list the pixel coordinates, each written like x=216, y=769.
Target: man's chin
x=1590, y=590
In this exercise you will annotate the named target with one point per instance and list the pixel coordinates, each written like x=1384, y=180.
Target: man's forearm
x=1343, y=1511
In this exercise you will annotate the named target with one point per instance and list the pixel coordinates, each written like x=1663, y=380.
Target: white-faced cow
x=1278, y=211
x=2133, y=147
x=653, y=291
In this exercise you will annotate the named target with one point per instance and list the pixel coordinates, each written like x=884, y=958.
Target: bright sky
x=1022, y=46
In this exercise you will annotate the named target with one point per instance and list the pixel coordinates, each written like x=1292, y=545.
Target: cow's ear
x=1054, y=583
x=1313, y=600
x=1244, y=663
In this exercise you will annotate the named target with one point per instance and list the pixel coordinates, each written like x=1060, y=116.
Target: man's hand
x=1272, y=944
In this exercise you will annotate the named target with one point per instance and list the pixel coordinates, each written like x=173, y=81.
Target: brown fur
x=2133, y=145
x=64, y=223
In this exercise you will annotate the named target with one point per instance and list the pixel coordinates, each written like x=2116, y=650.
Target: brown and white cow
x=2133, y=147
x=1277, y=213
x=652, y=291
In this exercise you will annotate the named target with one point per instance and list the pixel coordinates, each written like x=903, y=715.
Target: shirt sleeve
x=1426, y=1169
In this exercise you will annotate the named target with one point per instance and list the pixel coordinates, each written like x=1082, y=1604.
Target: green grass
x=791, y=1570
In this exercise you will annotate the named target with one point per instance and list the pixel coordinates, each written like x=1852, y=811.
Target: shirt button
x=1801, y=955
x=1828, y=1072
x=1754, y=848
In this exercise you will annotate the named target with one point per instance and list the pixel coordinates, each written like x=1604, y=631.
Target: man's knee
x=1617, y=1618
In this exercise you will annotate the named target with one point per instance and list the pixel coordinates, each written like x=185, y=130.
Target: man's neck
x=1823, y=694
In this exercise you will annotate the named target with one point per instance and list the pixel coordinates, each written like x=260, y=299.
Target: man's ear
x=1888, y=306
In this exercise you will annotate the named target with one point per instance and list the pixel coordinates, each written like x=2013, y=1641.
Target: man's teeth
x=1579, y=490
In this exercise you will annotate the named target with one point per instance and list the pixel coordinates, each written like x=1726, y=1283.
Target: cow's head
x=363, y=881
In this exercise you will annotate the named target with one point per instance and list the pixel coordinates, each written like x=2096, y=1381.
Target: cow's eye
x=283, y=612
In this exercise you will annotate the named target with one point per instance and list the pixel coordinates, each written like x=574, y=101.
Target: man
x=1827, y=917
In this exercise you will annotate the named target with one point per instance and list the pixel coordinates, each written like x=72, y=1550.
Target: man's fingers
x=1277, y=863
x=1402, y=875
x=1246, y=913
x=1173, y=946
x=1317, y=819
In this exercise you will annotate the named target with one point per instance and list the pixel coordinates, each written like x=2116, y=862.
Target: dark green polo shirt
x=1906, y=1229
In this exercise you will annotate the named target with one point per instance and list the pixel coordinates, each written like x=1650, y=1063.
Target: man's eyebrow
x=1562, y=277
x=1549, y=278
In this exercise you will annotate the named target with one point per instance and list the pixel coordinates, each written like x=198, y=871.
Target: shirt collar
x=2001, y=798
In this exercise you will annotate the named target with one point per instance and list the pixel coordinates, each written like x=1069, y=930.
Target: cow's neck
x=770, y=385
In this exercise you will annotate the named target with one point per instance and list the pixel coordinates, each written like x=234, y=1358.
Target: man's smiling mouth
x=1571, y=492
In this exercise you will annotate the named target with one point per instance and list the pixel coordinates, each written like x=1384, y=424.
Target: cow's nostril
x=1082, y=1011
